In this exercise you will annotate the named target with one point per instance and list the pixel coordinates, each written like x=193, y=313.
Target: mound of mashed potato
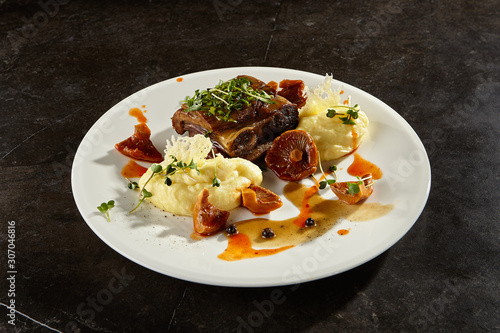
x=333, y=139
x=180, y=197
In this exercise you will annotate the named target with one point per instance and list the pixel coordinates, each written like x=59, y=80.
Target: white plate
x=161, y=242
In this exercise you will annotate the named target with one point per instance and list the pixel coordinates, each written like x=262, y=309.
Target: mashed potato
x=333, y=139
x=180, y=197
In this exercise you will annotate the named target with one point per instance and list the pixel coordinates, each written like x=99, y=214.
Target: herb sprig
x=105, y=207
x=328, y=182
x=226, y=97
x=322, y=184
x=349, y=114
x=143, y=193
x=177, y=165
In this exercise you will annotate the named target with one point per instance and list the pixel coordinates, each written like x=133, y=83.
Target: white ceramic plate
x=161, y=241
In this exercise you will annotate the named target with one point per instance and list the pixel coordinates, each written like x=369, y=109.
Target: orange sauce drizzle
x=361, y=167
x=240, y=247
x=341, y=92
x=343, y=232
x=179, y=79
x=305, y=208
x=354, y=138
x=133, y=170
x=326, y=213
x=346, y=102
x=136, y=112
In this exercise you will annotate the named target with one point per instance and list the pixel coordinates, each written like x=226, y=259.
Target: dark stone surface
x=435, y=62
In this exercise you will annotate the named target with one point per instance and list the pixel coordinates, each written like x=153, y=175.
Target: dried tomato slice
x=139, y=146
x=293, y=90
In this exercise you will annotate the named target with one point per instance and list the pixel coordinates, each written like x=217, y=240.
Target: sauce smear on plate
x=326, y=213
x=240, y=247
x=361, y=167
x=136, y=112
x=133, y=170
x=343, y=232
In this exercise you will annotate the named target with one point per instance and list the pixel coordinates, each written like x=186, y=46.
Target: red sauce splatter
x=343, y=232
x=179, y=79
x=240, y=247
x=305, y=208
x=136, y=112
x=133, y=170
x=354, y=139
x=361, y=167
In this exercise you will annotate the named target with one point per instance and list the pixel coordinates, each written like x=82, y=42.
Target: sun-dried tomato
x=139, y=146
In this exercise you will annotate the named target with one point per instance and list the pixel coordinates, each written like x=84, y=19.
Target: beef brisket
x=252, y=130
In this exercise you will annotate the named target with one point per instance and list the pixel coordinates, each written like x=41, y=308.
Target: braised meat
x=250, y=131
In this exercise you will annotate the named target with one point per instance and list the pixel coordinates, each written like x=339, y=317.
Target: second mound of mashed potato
x=333, y=138
x=180, y=197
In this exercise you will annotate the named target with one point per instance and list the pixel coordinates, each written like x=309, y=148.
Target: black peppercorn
x=268, y=233
x=310, y=222
x=231, y=229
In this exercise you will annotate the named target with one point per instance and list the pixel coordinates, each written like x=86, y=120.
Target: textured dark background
x=435, y=62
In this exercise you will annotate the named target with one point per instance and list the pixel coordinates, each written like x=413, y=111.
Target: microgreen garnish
x=155, y=168
x=105, y=207
x=353, y=188
x=174, y=166
x=169, y=170
x=324, y=183
x=177, y=165
x=144, y=194
x=215, y=180
x=132, y=185
x=350, y=114
x=226, y=97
